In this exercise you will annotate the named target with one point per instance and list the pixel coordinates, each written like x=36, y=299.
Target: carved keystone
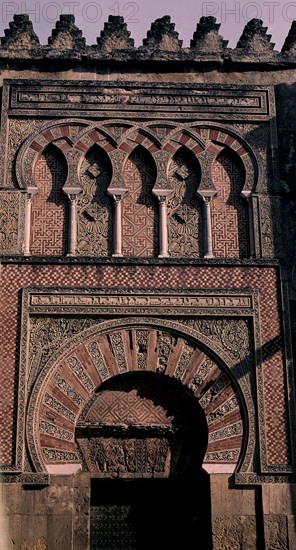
x=206, y=38
x=115, y=35
x=290, y=42
x=254, y=38
x=162, y=36
x=66, y=35
x=20, y=34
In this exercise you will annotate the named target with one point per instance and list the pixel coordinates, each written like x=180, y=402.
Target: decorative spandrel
x=184, y=207
x=94, y=209
x=229, y=210
x=139, y=208
x=48, y=222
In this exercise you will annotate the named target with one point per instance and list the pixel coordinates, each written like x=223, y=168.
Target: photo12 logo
x=89, y=11
x=269, y=12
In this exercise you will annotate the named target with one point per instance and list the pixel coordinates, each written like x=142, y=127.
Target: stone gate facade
x=147, y=289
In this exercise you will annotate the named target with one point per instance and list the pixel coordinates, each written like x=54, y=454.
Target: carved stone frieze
x=186, y=101
x=114, y=457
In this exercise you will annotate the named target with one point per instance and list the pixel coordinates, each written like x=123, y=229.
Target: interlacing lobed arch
x=113, y=180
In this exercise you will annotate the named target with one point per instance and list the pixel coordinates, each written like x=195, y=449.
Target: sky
x=90, y=16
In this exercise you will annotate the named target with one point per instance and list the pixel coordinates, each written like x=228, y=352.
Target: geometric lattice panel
x=139, y=207
x=228, y=209
x=49, y=205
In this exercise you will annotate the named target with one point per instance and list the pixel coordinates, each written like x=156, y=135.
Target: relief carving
x=9, y=222
x=271, y=226
x=94, y=210
x=47, y=335
x=184, y=207
x=228, y=209
x=118, y=456
x=139, y=208
x=49, y=211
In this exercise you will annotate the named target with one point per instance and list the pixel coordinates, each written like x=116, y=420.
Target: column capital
x=31, y=191
x=117, y=193
x=162, y=194
x=206, y=195
x=72, y=192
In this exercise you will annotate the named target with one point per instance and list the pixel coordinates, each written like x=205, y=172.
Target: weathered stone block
x=234, y=533
x=276, y=532
x=230, y=502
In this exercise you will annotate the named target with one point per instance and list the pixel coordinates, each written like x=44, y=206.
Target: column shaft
x=208, y=243
x=117, y=234
x=163, y=228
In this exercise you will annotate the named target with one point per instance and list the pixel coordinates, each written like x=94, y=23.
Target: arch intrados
x=51, y=146
x=145, y=151
x=27, y=155
x=185, y=415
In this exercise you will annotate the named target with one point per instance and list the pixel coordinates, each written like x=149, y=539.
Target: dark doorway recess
x=150, y=514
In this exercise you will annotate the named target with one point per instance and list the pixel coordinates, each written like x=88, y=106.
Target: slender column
x=208, y=243
x=163, y=228
x=117, y=231
x=28, y=213
x=72, y=231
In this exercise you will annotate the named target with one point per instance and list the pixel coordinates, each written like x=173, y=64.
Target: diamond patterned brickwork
x=48, y=229
x=14, y=277
x=229, y=210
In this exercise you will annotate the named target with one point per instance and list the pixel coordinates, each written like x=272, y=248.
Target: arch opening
x=139, y=208
x=144, y=437
x=49, y=205
x=143, y=425
x=230, y=231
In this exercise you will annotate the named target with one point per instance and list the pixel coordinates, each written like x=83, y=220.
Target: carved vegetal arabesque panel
x=46, y=337
x=9, y=222
x=184, y=207
x=94, y=210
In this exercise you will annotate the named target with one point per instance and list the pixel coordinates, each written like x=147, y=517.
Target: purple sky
x=91, y=14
